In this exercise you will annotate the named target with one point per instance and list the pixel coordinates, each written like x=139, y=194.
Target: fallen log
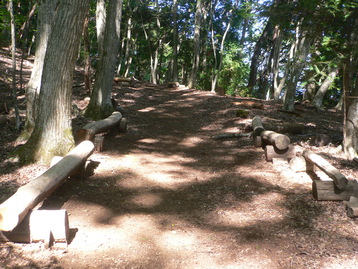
x=352, y=207
x=273, y=153
x=258, y=128
x=91, y=129
x=338, y=178
x=279, y=141
x=328, y=191
x=14, y=209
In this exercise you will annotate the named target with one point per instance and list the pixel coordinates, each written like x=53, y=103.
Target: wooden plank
x=14, y=209
x=339, y=179
x=279, y=141
x=328, y=191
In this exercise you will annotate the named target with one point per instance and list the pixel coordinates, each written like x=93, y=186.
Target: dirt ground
x=166, y=194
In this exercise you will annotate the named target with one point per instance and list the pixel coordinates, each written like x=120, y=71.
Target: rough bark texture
x=100, y=105
x=46, y=12
x=53, y=135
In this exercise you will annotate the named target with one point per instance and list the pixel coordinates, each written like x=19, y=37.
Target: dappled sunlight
x=262, y=208
x=148, y=109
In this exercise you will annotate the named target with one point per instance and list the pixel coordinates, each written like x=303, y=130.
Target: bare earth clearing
x=167, y=195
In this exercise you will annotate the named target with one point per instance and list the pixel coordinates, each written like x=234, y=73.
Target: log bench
x=27, y=197
x=313, y=159
x=89, y=131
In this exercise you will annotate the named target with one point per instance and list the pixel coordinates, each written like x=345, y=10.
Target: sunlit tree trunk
x=100, y=105
x=53, y=133
x=318, y=98
x=100, y=24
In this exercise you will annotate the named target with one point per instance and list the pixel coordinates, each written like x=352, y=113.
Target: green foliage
x=233, y=75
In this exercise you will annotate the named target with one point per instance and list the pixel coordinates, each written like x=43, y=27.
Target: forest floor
x=165, y=194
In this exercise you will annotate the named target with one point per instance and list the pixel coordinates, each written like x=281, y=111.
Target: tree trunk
x=100, y=24
x=257, y=52
x=53, y=133
x=13, y=53
x=196, y=55
x=87, y=55
x=174, y=76
x=100, y=105
x=318, y=98
x=46, y=13
x=299, y=53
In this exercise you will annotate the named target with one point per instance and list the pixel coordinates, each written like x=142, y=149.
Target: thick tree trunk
x=46, y=12
x=53, y=133
x=100, y=105
x=100, y=24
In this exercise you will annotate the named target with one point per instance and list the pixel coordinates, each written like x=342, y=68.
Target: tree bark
x=196, y=55
x=46, y=13
x=53, y=133
x=100, y=24
x=14, y=209
x=100, y=105
x=175, y=42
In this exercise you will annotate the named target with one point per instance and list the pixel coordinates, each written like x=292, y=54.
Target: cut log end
x=8, y=221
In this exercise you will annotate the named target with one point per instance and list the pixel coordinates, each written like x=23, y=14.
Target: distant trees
x=280, y=49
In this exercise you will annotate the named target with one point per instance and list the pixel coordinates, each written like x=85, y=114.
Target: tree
x=46, y=12
x=53, y=132
x=100, y=105
x=196, y=55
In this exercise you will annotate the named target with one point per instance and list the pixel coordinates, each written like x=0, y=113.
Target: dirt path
x=167, y=195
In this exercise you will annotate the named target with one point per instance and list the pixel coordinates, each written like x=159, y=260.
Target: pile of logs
x=277, y=146
x=19, y=222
